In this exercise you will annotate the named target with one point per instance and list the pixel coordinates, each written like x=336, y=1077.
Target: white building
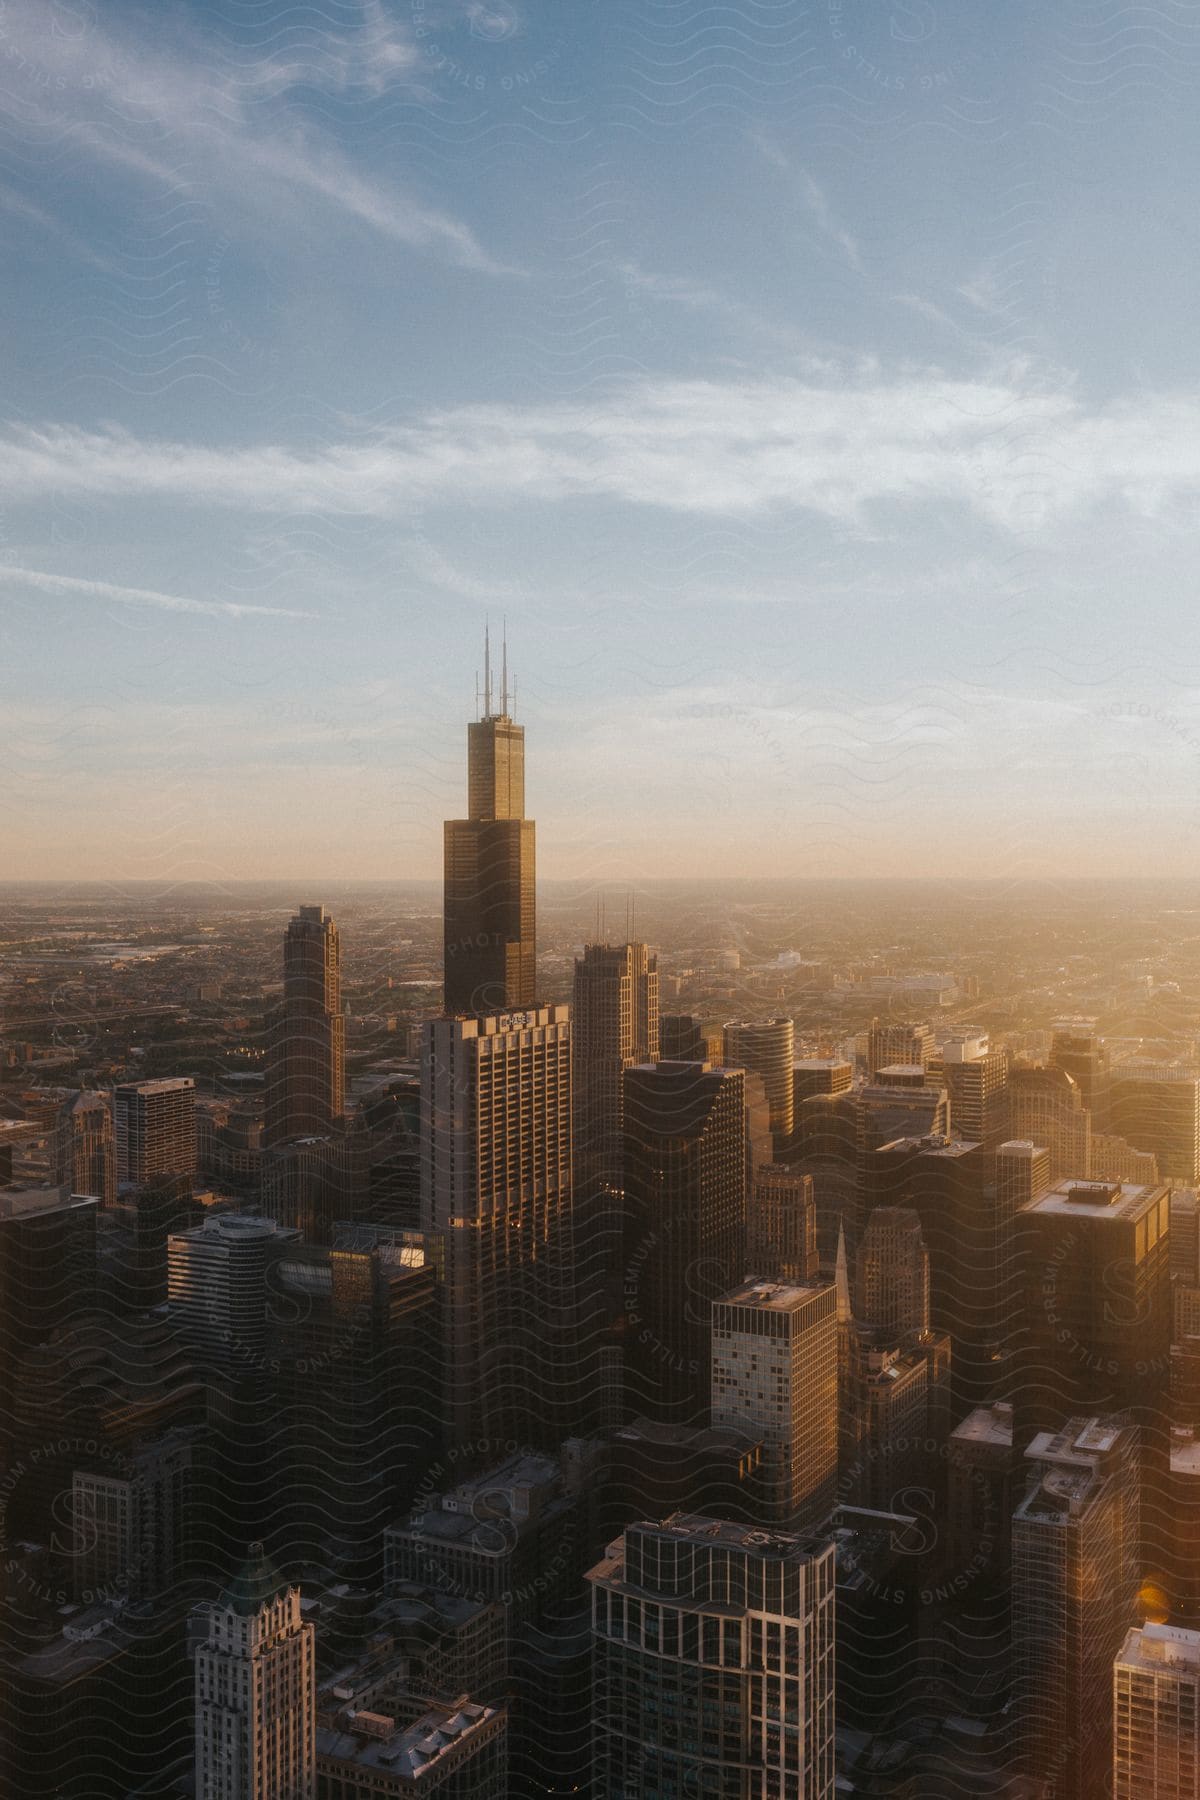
x=256, y=1695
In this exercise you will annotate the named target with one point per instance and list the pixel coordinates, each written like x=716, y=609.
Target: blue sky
x=813, y=388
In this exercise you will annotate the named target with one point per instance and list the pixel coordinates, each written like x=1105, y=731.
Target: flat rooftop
x=772, y=1296
x=1153, y=1648
x=986, y=1425
x=1118, y=1201
x=369, y=1740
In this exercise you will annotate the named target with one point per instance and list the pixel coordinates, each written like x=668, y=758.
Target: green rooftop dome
x=255, y=1585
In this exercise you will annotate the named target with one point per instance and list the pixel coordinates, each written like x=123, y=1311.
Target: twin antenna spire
x=505, y=693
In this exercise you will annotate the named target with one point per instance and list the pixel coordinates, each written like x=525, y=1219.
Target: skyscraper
x=83, y=1147
x=614, y=1025
x=713, y=1662
x=775, y=1378
x=217, y=1287
x=685, y=1227
x=1075, y=1047
x=1156, y=1715
x=155, y=1128
x=1075, y=1578
x=256, y=1692
x=1046, y=1107
x=489, y=903
x=781, y=1224
x=496, y=1184
x=306, y=1081
x=890, y=1043
x=976, y=1078
x=1156, y=1107
x=893, y=1274
x=766, y=1047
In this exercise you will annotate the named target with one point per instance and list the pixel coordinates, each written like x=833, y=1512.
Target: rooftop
x=1155, y=1647
x=374, y=1741
x=772, y=1296
x=1119, y=1201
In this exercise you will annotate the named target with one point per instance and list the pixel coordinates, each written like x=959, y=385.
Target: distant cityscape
x=734, y=1339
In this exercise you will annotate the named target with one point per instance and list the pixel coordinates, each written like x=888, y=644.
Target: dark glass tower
x=306, y=1082
x=489, y=906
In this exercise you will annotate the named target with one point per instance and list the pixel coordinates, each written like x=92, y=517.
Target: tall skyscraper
x=47, y=1280
x=1046, y=1107
x=1076, y=1048
x=713, y=1663
x=968, y=1235
x=614, y=1025
x=781, y=1224
x=155, y=1128
x=1156, y=1715
x=256, y=1697
x=217, y=1287
x=1156, y=1107
x=893, y=1274
x=685, y=1228
x=496, y=1184
x=490, y=900
x=83, y=1148
x=766, y=1047
x=306, y=1079
x=1075, y=1581
x=976, y=1078
x=775, y=1378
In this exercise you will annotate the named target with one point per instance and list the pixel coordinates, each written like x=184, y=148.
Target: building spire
x=487, y=669
x=842, y=1279
x=504, y=670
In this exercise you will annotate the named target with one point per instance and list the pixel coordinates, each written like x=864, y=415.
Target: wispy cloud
x=43, y=581
x=1015, y=454
x=230, y=126
x=813, y=198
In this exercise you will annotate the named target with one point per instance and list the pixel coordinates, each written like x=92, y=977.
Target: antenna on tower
x=487, y=670
x=477, y=693
x=504, y=670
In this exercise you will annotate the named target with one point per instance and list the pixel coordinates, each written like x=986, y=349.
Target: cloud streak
x=1017, y=456
x=234, y=130
x=43, y=581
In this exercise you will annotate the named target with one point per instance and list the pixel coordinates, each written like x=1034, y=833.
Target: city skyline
x=814, y=516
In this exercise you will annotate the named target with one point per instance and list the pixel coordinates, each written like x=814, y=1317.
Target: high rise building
x=1046, y=1107
x=496, y=1184
x=682, y=1038
x=766, y=1047
x=713, y=1663
x=256, y=1692
x=490, y=899
x=817, y=1075
x=1156, y=1715
x=893, y=1042
x=130, y=1521
x=1156, y=1107
x=47, y=1280
x=1023, y=1173
x=685, y=1228
x=306, y=1077
x=83, y=1149
x=969, y=1237
x=217, y=1287
x=1075, y=1048
x=775, y=1378
x=155, y=1128
x=781, y=1224
x=1097, y=1306
x=614, y=1025
x=893, y=1274
x=976, y=1078
x=1075, y=1583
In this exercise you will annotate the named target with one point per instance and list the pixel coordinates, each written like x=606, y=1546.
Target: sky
x=812, y=389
